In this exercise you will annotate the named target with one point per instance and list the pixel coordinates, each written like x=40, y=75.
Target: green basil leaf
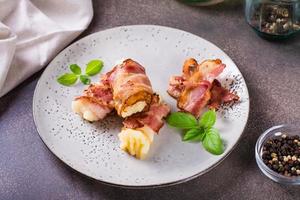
x=85, y=79
x=94, y=67
x=208, y=119
x=195, y=135
x=67, y=79
x=75, y=69
x=213, y=142
x=182, y=120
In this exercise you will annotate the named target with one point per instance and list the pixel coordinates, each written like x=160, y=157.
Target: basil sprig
x=201, y=130
x=182, y=120
x=92, y=68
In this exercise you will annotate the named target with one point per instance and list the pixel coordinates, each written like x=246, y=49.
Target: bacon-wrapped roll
x=127, y=89
x=95, y=103
x=193, y=89
x=139, y=129
x=132, y=90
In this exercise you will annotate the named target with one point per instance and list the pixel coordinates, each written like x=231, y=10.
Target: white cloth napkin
x=32, y=32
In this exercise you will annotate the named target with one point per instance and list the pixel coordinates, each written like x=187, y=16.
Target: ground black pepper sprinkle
x=282, y=154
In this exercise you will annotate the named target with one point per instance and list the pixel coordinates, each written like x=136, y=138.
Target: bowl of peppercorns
x=277, y=154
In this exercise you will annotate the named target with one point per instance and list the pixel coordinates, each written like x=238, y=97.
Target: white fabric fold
x=32, y=32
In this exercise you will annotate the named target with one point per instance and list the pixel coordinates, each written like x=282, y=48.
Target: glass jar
x=272, y=132
x=202, y=2
x=273, y=19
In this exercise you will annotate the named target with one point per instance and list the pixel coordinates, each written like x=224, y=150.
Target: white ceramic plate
x=93, y=148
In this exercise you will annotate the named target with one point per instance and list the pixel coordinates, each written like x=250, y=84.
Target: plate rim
x=149, y=186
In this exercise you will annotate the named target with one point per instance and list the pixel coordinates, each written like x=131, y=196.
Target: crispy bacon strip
x=194, y=73
x=153, y=118
x=194, y=98
x=193, y=89
x=176, y=86
x=211, y=69
x=220, y=95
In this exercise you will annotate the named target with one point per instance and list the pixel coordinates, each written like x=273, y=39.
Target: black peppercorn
x=281, y=154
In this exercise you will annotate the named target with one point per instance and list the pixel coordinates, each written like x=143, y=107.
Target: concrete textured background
x=28, y=170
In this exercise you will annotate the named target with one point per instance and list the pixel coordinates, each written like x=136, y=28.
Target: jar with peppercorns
x=202, y=2
x=274, y=19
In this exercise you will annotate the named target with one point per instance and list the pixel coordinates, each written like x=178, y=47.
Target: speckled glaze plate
x=93, y=148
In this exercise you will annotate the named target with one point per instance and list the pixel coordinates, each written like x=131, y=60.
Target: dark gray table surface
x=28, y=170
